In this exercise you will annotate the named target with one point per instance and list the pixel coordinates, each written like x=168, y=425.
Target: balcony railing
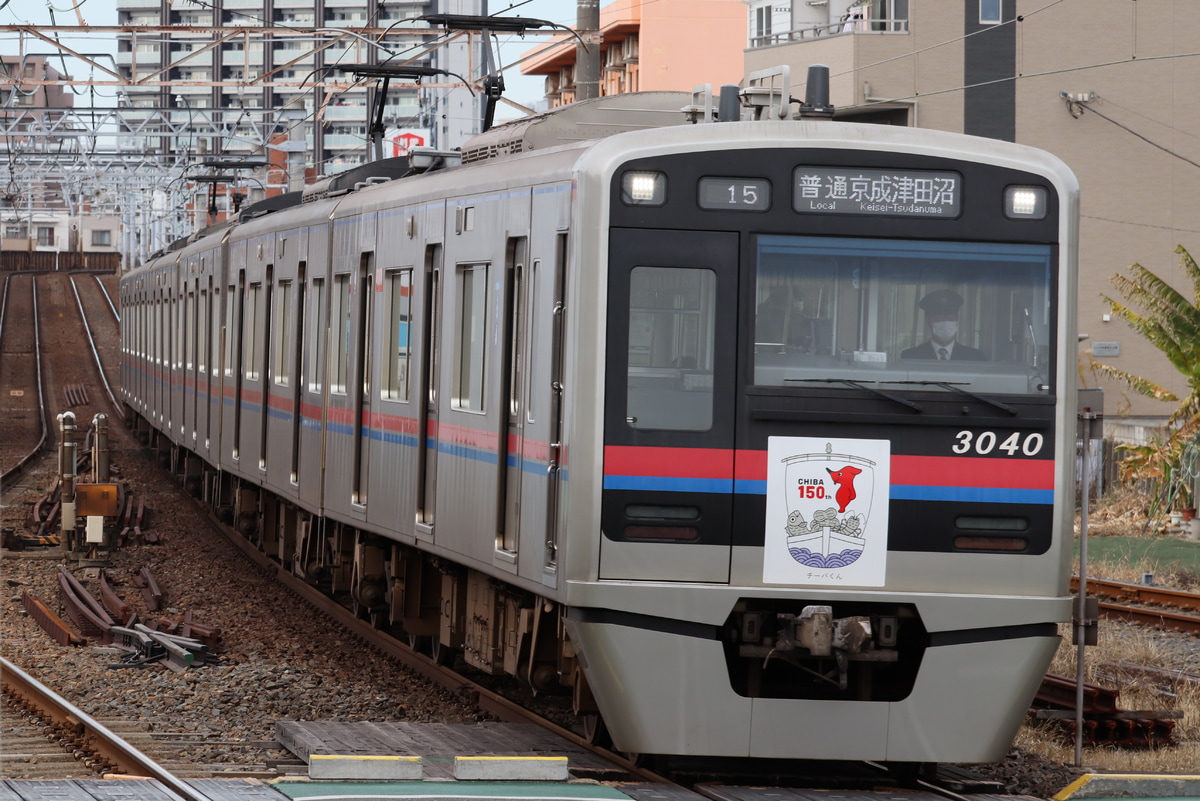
x=841, y=28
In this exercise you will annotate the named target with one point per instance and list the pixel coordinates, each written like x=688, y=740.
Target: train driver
x=941, y=324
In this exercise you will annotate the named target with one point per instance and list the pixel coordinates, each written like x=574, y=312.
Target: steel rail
x=9, y=474
x=99, y=739
x=95, y=354
x=1141, y=593
x=108, y=297
x=1159, y=618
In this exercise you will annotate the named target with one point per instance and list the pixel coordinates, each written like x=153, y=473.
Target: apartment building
x=53, y=215
x=650, y=45
x=246, y=77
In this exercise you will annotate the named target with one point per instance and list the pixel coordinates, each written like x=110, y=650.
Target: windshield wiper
x=862, y=386
x=955, y=388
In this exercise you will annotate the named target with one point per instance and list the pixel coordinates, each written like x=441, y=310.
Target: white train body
x=562, y=439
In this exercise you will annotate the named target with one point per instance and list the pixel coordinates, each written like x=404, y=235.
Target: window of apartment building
x=989, y=12
x=45, y=236
x=101, y=238
x=762, y=21
x=15, y=232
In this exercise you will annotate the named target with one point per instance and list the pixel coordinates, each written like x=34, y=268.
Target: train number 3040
x=986, y=442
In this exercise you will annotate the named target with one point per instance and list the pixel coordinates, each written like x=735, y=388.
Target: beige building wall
x=685, y=43
x=1138, y=201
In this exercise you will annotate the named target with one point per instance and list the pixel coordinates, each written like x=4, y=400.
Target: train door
x=308, y=456
x=296, y=369
x=518, y=280
x=666, y=508
x=265, y=367
x=427, y=422
x=208, y=301
x=161, y=373
x=191, y=390
x=236, y=334
x=362, y=384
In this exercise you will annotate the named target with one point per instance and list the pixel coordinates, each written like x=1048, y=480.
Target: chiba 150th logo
x=827, y=504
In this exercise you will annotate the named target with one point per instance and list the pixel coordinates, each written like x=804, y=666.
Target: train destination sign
x=911, y=193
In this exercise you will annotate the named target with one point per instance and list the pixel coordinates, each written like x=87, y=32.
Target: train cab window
x=916, y=315
x=672, y=312
x=398, y=287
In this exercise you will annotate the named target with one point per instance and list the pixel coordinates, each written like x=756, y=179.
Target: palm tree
x=1171, y=322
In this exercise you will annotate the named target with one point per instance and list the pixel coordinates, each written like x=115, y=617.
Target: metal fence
x=43, y=261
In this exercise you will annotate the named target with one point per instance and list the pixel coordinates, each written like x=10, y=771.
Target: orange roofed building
x=649, y=46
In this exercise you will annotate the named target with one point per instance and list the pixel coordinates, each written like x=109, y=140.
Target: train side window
x=230, y=328
x=282, y=357
x=316, y=337
x=202, y=339
x=399, y=317
x=189, y=334
x=250, y=332
x=672, y=316
x=340, y=334
x=531, y=316
x=468, y=389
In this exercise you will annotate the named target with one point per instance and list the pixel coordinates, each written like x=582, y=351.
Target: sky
x=521, y=89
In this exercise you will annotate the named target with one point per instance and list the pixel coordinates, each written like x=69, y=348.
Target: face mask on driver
x=945, y=330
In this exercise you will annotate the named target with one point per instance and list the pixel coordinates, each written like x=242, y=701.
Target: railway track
x=23, y=424
x=46, y=354
x=112, y=360
x=96, y=746
x=1146, y=605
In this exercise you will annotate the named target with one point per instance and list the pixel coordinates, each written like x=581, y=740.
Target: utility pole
x=587, y=52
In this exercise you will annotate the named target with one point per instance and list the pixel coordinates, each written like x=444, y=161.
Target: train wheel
x=441, y=654
x=595, y=731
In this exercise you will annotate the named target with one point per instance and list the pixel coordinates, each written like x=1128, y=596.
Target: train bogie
x=650, y=418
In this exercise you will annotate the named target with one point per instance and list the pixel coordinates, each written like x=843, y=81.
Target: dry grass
x=1123, y=644
x=1123, y=513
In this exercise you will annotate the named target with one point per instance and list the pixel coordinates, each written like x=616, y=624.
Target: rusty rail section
x=1103, y=722
x=82, y=608
x=77, y=728
x=177, y=644
x=1187, y=621
x=51, y=623
x=75, y=395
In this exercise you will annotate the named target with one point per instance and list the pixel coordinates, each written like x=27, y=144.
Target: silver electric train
x=755, y=437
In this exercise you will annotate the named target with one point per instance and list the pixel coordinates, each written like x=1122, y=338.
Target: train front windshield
x=973, y=316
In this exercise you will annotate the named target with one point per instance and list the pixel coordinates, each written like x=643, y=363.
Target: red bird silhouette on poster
x=844, y=478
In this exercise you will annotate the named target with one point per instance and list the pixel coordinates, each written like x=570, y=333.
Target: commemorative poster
x=827, y=511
